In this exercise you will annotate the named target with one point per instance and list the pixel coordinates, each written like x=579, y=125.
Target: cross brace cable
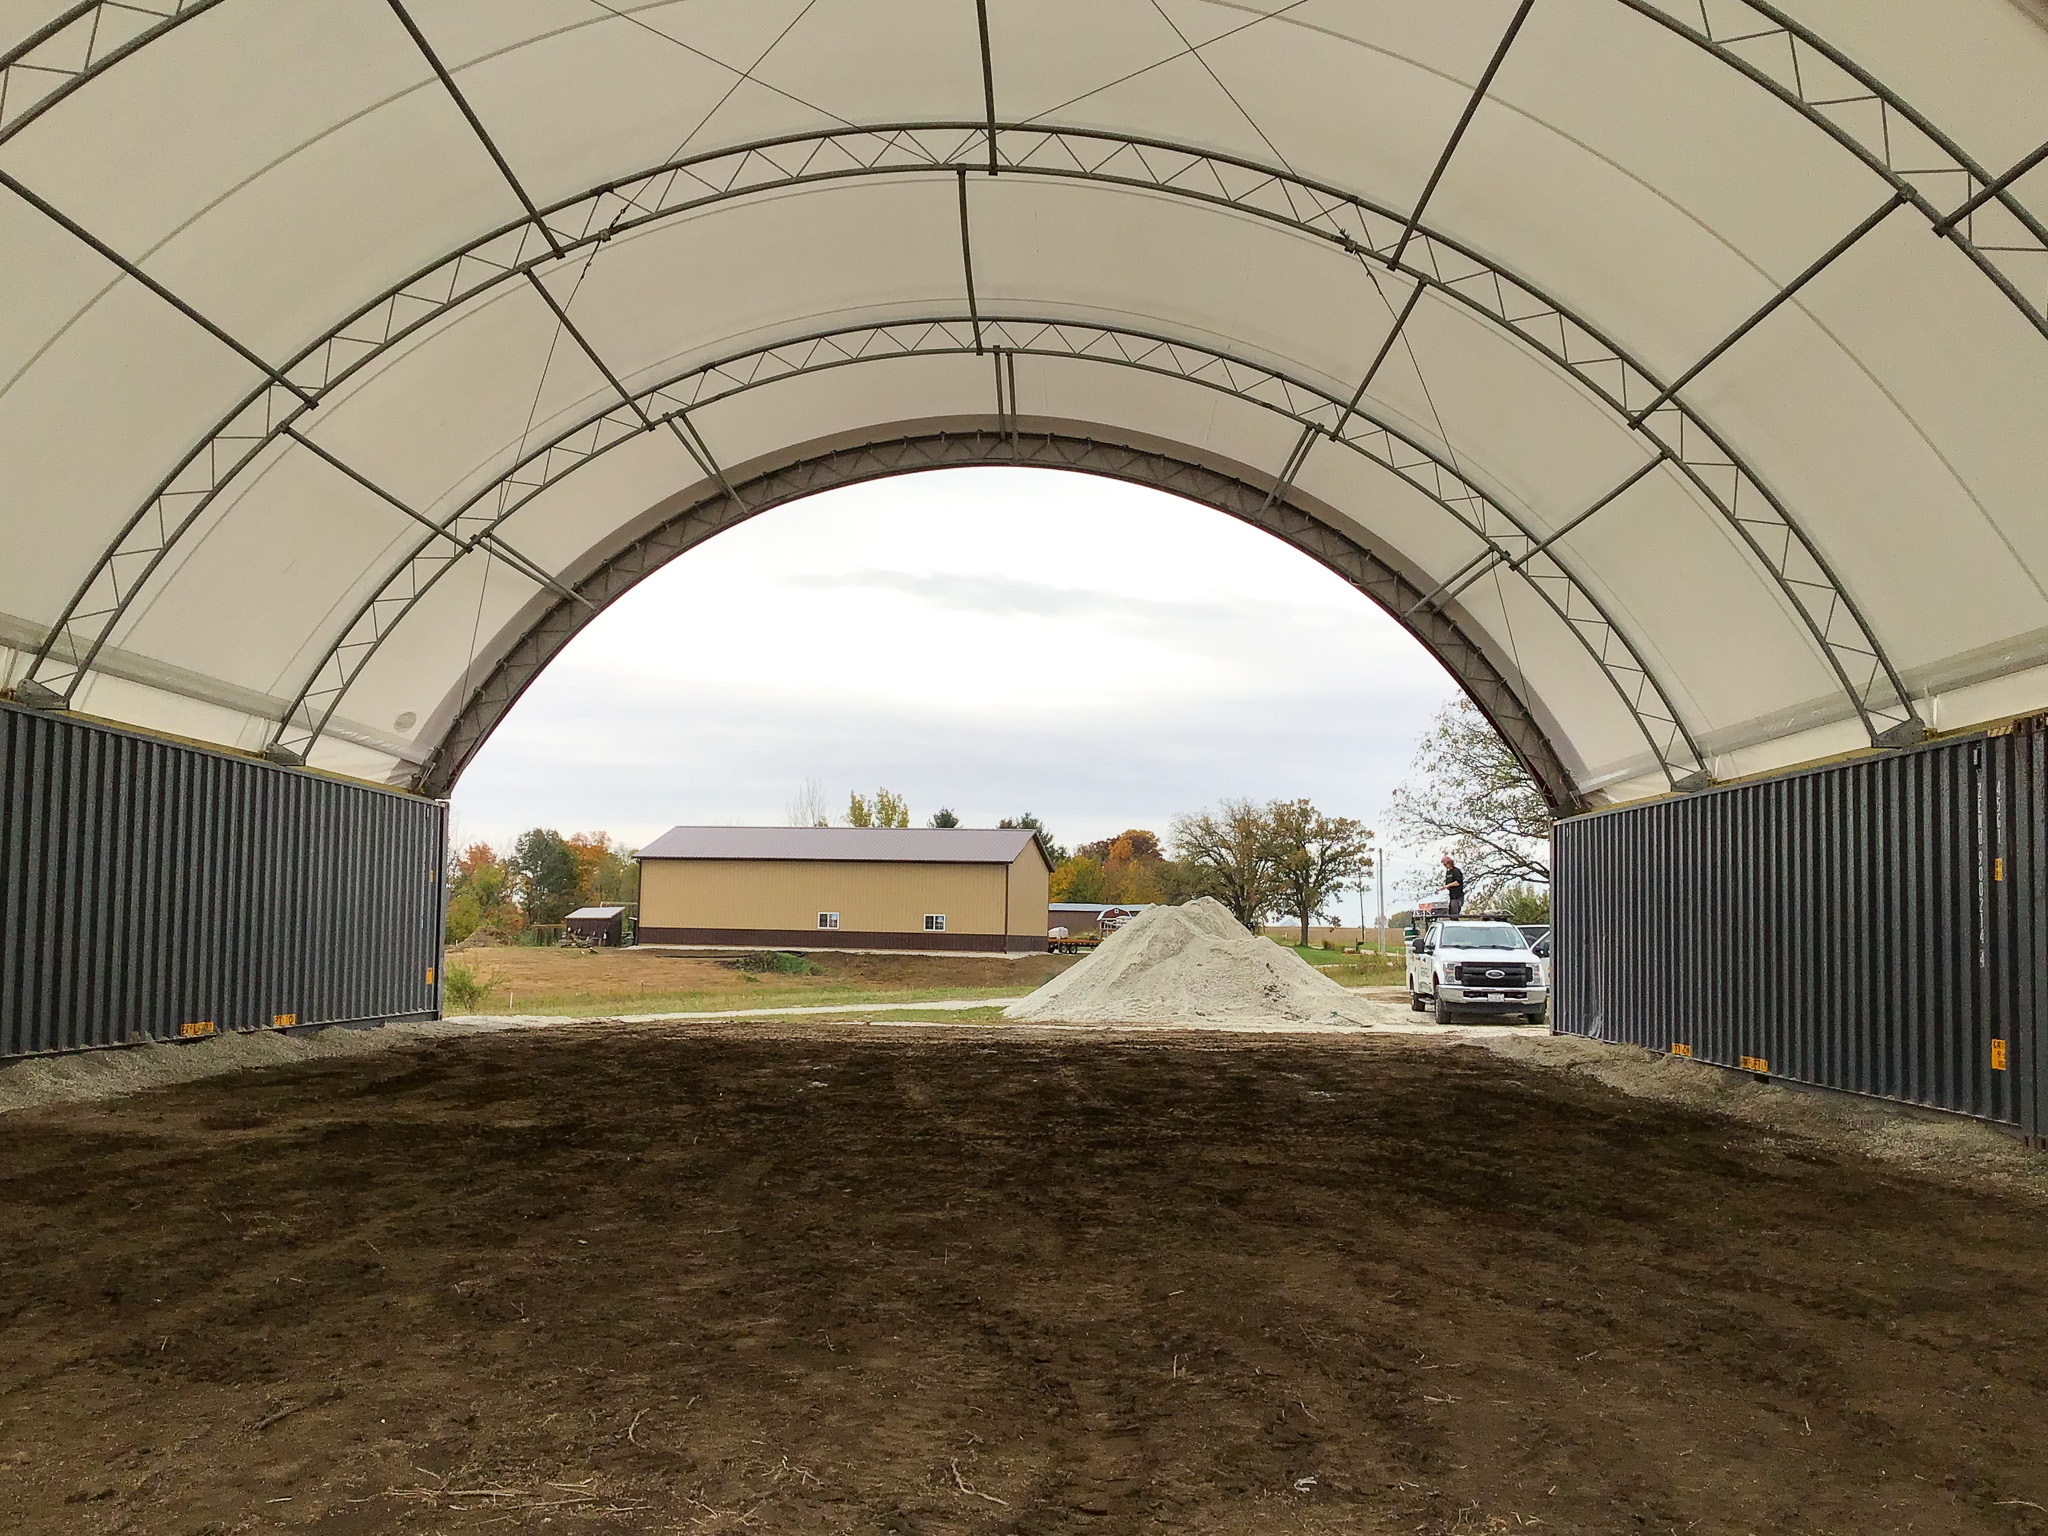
x=490, y=543
x=569, y=327
x=1386, y=347
x=1492, y=558
x=691, y=439
x=1464, y=121
x=128, y=269
x=476, y=123
x=1770, y=306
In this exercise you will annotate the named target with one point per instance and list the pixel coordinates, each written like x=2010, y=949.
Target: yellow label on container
x=1998, y=1055
x=430, y=975
x=201, y=1027
x=1998, y=869
x=283, y=1020
x=1681, y=1050
x=1754, y=1064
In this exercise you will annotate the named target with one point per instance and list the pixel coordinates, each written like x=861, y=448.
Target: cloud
x=989, y=641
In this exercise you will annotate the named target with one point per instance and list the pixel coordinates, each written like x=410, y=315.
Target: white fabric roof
x=311, y=354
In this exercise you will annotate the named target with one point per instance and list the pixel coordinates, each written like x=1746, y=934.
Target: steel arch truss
x=1753, y=37
x=1000, y=444
x=69, y=50
x=1370, y=232
x=1504, y=536
x=2006, y=240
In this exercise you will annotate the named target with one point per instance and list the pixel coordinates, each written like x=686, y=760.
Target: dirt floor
x=828, y=1278
x=556, y=980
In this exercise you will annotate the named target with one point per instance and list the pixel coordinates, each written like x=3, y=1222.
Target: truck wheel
x=1441, y=1008
x=1539, y=1017
x=1417, y=1001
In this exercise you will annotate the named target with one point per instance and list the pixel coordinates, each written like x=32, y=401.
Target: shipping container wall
x=1874, y=926
x=152, y=891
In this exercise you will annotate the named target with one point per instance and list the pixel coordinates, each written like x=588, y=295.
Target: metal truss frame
x=1998, y=232
x=1603, y=370
x=623, y=569
x=1505, y=538
x=1753, y=37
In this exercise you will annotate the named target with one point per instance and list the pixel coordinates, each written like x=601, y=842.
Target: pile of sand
x=1928, y=1141
x=1191, y=965
x=84, y=1076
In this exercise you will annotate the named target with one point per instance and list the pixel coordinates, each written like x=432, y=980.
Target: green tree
x=887, y=809
x=944, y=817
x=605, y=872
x=1522, y=903
x=480, y=895
x=1078, y=879
x=465, y=916
x=1315, y=858
x=549, y=875
x=1181, y=881
x=1029, y=822
x=1469, y=795
x=1233, y=845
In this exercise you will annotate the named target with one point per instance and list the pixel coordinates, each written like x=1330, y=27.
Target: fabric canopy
x=1675, y=369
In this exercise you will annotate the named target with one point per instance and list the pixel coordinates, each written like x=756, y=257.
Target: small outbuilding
x=602, y=926
x=1079, y=917
x=934, y=888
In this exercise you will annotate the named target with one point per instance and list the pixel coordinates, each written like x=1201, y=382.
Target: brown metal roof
x=894, y=845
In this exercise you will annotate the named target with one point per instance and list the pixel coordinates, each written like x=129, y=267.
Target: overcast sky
x=991, y=640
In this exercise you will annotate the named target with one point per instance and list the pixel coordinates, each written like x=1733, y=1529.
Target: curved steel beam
x=94, y=35
x=1367, y=230
x=1875, y=124
x=999, y=444
x=1509, y=541
x=78, y=46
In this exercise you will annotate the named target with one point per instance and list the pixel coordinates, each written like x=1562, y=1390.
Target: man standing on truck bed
x=1454, y=886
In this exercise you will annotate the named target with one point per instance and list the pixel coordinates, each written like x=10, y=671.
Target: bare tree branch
x=1468, y=796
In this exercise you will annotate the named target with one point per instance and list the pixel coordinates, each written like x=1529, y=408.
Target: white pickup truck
x=1475, y=967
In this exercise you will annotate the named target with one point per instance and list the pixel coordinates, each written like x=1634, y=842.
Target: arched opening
x=1283, y=511
x=990, y=640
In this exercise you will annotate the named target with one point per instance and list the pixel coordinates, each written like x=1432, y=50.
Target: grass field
x=571, y=983
x=1367, y=970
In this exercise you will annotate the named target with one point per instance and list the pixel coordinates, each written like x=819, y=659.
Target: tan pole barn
x=934, y=888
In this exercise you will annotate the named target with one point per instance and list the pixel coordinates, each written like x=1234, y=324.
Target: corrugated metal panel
x=774, y=894
x=150, y=889
x=1874, y=926
x=893, y=845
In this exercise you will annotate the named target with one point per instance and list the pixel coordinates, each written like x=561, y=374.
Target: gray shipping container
x=1874, y=926
x=151, y=890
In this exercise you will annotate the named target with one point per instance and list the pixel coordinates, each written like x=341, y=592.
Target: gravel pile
x=1191, y=965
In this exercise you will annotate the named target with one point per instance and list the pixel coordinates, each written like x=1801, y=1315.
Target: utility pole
x=1379, y=869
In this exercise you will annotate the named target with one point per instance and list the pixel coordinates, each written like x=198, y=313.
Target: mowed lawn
x=576, y=983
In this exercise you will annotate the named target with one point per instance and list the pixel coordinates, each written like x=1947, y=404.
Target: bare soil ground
x=809, y=1277
x=572, y=981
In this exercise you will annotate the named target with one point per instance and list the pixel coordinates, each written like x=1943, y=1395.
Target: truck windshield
x=1480, y=936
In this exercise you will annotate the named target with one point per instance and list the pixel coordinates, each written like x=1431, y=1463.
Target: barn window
x=828, y=919
x=935, y=922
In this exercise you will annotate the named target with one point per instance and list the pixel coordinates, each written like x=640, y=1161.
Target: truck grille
x=1492, y=973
